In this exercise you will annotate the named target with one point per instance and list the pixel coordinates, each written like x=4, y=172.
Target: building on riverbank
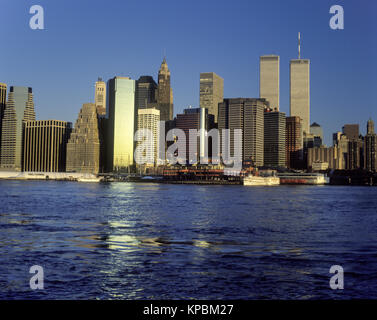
x=45, y=145
x=19, y=108
x=83, y=148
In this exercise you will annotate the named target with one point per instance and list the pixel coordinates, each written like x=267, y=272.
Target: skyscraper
x=192, y=118
x=20, y=108
x=274, y=139
x=3, y=99
x=83, y=148
x=149, y=119
x=370, y=148
x=269, y=79
x=145, y=92
x=211, y=92
x=317, y=132
x=300, y=91
x=246, y=114
x=100, y=97
x=165, y=93
x=351, y=131
x=45, y=145
x=294, y=142
x=122, y=125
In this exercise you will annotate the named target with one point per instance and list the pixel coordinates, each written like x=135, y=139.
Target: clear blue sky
x=88, y=38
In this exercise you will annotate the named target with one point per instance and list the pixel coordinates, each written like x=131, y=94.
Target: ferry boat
x=261, y=181
x=302, y=178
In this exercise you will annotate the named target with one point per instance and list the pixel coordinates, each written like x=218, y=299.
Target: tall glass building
x=20, y=108
x=3, y=98
x=121, y=124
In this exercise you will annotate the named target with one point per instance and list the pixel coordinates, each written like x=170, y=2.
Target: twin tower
x=269, y=86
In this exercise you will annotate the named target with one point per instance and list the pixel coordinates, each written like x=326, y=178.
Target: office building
x=19, y=108
x=355, y=154
x=322, y=158
x=300, y=91
x=211, y=92
x=148, y=119
x=100, y=97
x=83, y=148
x=341, y=142
x=145, y=92
x=370, y=148
x=274, y=139
x=351, y=131
x=294, y=143
x=45, y=145
x=122, y=124
x=3, y=99
x=246, y=114
x=193, y=118
x=165, y=93
x=317, y=132
x=269, y=80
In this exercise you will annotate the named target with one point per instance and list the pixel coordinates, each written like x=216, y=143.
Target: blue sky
x=88, y=38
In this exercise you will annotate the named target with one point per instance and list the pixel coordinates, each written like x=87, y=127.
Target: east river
x=159, y=241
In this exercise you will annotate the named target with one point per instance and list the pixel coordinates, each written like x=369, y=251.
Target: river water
x=158, y=241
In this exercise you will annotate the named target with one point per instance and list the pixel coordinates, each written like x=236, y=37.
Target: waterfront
x=159, y=241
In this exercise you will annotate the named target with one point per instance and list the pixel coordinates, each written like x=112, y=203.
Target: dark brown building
x=370, y=148
x=3, y=99
x=351, y=131
x=294, y=142
x=190, y=119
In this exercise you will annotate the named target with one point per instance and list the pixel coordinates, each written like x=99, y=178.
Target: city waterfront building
x=121, y=125
x=192, y=118
x=19, y=108
x=211, y=92
x=317, y=132
x=148, y=119
x=3, y=100
x=300, y=91
x=165, y=93
x=294, y=142
x=145, y=92
x=355, y=154
x=269, y=80
x=83, y=148
x=45, y=145
x=342, y=143
x=370, y=148
x=246, y=114
x=351, y=131
x=322, y=158
x=100, y=97
x=274, y=138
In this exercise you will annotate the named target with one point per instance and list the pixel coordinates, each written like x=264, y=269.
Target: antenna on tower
x=299, y=46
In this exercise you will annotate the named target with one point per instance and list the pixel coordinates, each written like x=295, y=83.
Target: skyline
x=341, y=78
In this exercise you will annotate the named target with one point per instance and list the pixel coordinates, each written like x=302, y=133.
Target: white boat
x=261, y=181
x=89, y=178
